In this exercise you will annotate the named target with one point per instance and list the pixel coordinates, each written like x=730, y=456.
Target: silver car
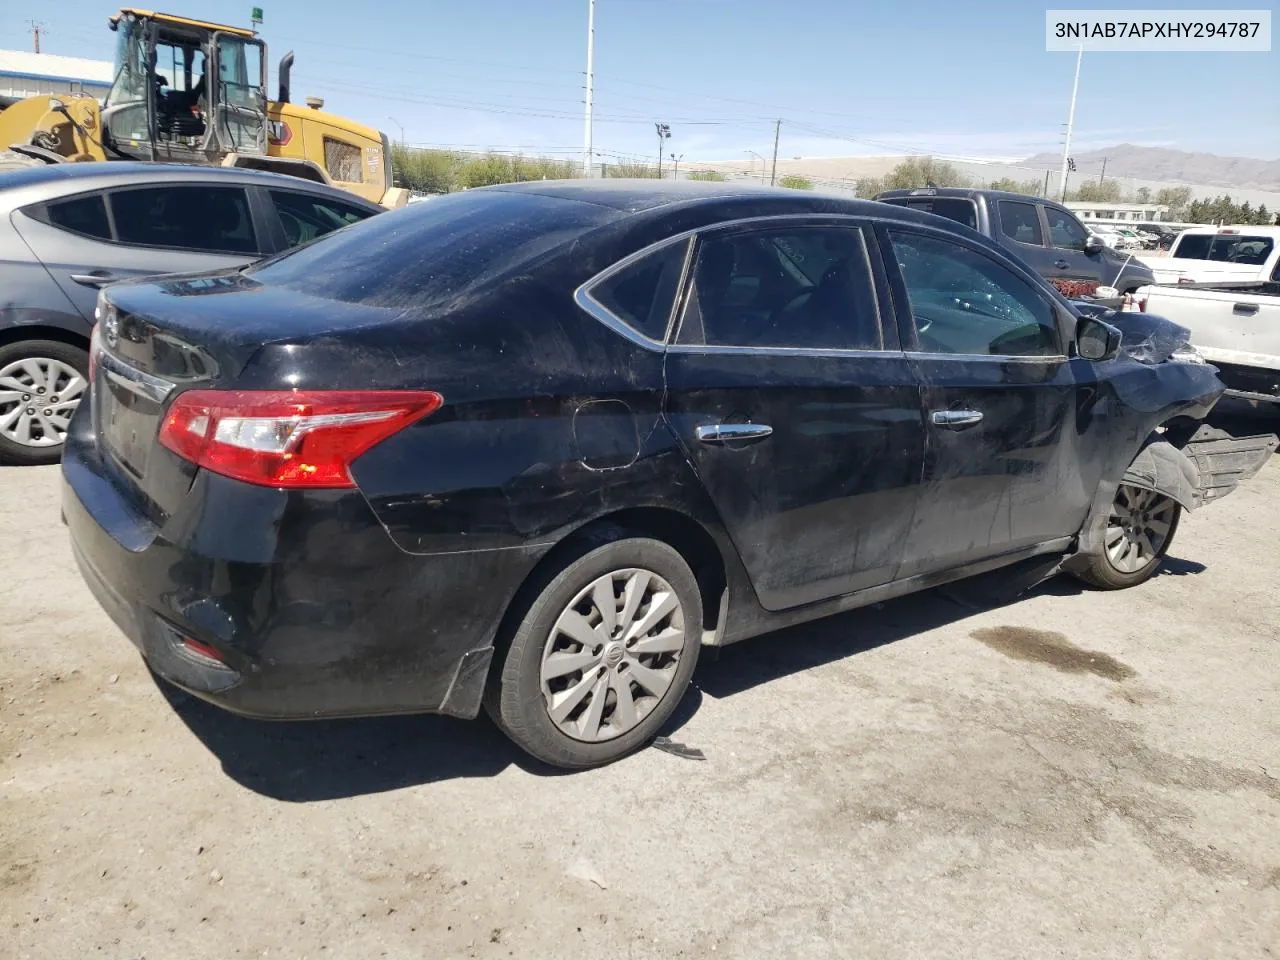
x=67, y=230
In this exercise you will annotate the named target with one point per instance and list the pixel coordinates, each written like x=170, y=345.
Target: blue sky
x=926, y=76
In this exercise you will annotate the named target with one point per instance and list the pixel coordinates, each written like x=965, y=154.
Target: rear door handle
x=1245, y=309
x=955, y=419
x=96, y=278
x=721, y=433
x=1061, y=264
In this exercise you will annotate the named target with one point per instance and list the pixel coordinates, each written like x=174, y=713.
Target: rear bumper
x=316, y=612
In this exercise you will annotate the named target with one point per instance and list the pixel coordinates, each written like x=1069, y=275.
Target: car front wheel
x=1140, y=528
x=602, y=656
x=41, y=384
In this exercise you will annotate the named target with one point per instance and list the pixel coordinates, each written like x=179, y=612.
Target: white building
x=1148, y=212
x=24, y=74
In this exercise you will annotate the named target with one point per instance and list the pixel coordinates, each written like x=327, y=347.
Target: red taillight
x=95, y=347
x=287, y=438
x=203, y=651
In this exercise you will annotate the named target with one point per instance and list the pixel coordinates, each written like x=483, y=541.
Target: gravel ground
x=1075, y=774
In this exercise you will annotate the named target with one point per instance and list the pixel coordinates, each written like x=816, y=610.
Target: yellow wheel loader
x=190, y=91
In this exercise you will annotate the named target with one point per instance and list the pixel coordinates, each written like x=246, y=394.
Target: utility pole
x=1046, y=184
x=591, y=55
x=36, y=27
x=664, y=133
x=777, y=132
x=1104, y=171
x=401, y=126
x=1071, y=121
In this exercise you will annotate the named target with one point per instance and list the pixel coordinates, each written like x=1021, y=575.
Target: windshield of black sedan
x=430, y=252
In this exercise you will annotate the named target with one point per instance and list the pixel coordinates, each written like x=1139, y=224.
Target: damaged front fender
x=1204, y=467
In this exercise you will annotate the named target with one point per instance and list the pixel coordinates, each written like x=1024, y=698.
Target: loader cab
x=185, y=91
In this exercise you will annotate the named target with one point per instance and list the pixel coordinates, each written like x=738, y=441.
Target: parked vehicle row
x=531, y=447
x=66, y=230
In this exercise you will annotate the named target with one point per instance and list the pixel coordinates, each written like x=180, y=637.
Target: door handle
x=955, y=419
x=97, y=278
x=1245, y=309
x=720, y=433
x=1061, y=264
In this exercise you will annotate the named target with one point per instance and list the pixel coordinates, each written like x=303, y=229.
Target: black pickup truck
x=1045, y=235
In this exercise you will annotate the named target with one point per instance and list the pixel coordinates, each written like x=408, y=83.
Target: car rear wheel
x=41, y=384
x=1140, y=528
x=602, y=656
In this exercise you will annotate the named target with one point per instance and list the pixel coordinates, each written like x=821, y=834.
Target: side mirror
x=1093, y=245
x=1096, y=340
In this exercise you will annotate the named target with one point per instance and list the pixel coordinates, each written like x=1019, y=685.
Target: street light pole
x=401, y=126
x=591, y=54
x=1071, y=120
x=664, y=133
x=764, y=164
x=777, y=133
x=675, y=161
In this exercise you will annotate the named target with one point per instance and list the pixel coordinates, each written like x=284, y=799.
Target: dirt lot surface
x=1075, y=774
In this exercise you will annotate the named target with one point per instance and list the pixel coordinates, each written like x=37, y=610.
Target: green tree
x=1176, y=199
x=1263, y=216
x=794, y=182
x=1030, y=188
x=868, y=187
x=915, y=172
x=631, y=171
x=713, y=175
x=1143, y=195
x=1106, y=192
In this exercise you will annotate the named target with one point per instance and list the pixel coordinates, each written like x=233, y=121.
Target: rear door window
x=306, y=216
x=642, y=293
x=1020, y=222
x=798, y=287
x=83, y=215
x=214, y=219
x=953, y=208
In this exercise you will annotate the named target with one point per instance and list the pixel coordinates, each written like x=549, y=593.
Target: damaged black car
x=532, y=447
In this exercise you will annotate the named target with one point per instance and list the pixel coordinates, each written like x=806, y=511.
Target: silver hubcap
x=38, y=395
x=612, y=655
x=1139, y=527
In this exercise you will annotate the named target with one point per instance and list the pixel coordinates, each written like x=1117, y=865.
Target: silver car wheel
x=612, y=655
x=1140, y=524
x=38, y=395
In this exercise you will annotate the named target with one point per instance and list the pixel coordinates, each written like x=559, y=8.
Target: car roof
x=966, y=193
x=636, y=196
x=32, y=184
x=1240, y=228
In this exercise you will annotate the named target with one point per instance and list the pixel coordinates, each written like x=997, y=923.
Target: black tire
x=514, y=697
x=1103, y=574
x=11, y=450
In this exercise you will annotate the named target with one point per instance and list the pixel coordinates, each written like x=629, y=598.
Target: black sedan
x=532, y=447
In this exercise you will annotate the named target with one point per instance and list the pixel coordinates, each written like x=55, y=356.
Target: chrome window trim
x=989, y=357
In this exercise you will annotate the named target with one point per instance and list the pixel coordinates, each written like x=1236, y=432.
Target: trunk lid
x=159, y=338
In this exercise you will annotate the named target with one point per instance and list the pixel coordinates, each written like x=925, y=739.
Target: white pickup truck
x=1210, y=254
x=1235, y=325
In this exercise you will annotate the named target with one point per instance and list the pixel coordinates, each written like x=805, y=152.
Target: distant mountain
x=1159, y=163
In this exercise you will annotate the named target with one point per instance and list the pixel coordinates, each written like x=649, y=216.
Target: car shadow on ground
x=307, y=761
